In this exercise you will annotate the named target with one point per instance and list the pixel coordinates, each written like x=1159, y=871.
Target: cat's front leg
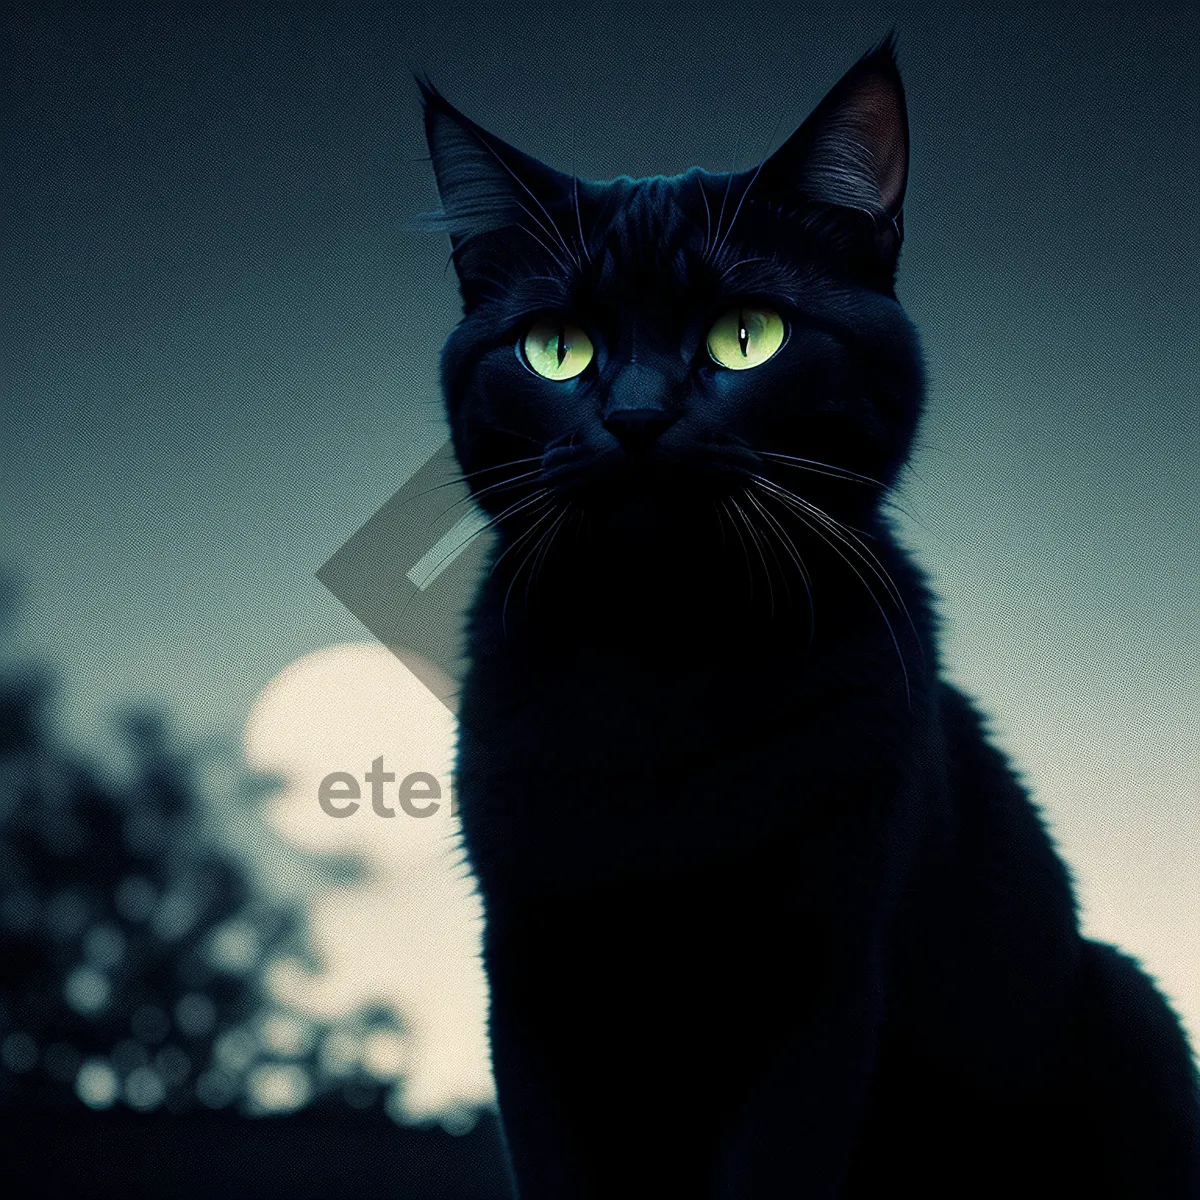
x=544, y=1157
x=796, y=1132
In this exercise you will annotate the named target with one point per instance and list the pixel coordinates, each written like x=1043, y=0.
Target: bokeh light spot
x=195, y=1014
x=278, y=1087
x=135, y=898
x=86, y=990
x=216, y=1089
x=104, y=945
x=97, y=1084
x=19, y=1053
x=144, y=1089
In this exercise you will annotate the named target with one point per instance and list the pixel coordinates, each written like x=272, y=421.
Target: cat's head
x=645, y=346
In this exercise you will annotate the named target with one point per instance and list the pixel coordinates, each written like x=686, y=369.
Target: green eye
x=745, y=337
x=556, y=349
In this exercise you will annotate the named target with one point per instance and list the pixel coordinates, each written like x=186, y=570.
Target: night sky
x=221, y=332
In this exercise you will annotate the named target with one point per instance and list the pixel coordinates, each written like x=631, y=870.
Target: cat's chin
x=658, y=485
x=633, y=521
x=658, y=520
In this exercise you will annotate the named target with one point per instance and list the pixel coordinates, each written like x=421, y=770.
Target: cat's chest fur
x=596, y=761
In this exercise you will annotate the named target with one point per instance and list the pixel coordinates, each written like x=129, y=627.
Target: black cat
x=767, y=915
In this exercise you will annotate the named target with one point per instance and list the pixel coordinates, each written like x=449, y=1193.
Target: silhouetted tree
x=134, y=949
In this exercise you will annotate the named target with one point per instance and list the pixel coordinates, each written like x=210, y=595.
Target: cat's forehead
x=651, y=234
x=661, y=247
x=648, y=221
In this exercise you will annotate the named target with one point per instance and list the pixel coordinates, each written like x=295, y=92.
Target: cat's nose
x=638, y=428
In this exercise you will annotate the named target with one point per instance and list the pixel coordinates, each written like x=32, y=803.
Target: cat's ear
x=852, y=151
x=486, y=186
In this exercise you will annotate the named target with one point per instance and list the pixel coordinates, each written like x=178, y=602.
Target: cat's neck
x=663, y=599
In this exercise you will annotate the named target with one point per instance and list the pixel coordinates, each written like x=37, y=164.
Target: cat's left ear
x=487, y=186
x=852, y=151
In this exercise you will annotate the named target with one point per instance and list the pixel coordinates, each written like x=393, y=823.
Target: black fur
x=767, y=915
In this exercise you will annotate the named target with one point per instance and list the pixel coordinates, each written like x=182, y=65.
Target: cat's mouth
x=660, y=476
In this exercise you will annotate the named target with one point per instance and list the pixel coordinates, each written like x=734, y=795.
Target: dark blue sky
x=220, y=340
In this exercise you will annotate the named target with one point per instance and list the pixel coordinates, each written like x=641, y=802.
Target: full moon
x=410, y=935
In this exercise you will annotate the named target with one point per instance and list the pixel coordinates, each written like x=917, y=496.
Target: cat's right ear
x=486, y=186
x=851, y=154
